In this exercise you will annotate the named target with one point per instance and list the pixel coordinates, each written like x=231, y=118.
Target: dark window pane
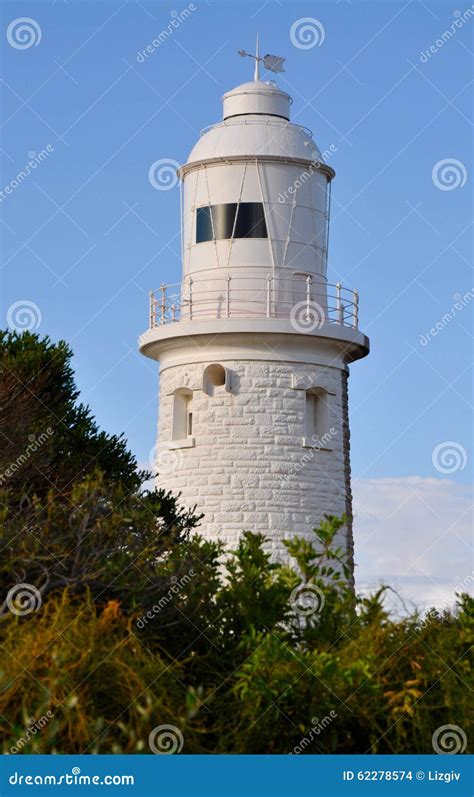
x=223, y=218
x=250, y=221
x=203, y=225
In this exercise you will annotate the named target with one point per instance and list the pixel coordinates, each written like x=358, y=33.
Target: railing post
x=173, y=312
x=269, y=295
x=152, y=309
x=227, y=297
x=190, y=299
x=339, y=307
x=308, y=297
x=163, y=303
x=356, y=309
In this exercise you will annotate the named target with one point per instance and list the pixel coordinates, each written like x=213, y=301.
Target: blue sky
x=86, y=235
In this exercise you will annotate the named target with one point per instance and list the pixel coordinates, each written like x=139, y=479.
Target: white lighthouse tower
x=254, y=343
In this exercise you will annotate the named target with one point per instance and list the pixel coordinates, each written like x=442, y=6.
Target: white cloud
x=413, y=534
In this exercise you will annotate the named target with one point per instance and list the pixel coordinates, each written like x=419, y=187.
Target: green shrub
x=135, y=622
x=230, y=663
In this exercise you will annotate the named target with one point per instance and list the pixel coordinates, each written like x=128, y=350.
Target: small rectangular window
x=182, y=414
x=317, y=415
x=218, y=222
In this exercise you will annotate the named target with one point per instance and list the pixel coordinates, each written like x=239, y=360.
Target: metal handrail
x=237, y=298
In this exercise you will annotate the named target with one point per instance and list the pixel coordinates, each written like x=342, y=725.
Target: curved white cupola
x=257, y=97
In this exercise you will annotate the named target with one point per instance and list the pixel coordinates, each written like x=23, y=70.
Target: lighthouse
x=254, y=342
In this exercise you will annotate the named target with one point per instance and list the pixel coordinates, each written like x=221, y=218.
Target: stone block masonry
x=248, y=468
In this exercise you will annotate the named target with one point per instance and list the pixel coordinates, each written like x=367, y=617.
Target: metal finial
x=256, y=75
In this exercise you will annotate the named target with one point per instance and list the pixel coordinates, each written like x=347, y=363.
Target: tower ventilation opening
x=214, y=376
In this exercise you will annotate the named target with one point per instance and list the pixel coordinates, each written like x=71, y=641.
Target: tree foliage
x=116, y=617
x=48, y=439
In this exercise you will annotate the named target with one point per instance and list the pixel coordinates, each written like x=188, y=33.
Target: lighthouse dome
x=256, y=123
x=257, y=96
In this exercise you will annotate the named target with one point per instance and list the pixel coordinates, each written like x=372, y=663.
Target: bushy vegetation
x=137, y=622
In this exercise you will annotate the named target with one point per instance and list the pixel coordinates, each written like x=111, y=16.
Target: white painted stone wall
x=248, y=469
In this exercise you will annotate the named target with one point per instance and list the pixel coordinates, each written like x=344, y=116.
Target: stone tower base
x=250, y=459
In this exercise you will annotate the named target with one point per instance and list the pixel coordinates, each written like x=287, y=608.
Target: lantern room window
x=232, y=220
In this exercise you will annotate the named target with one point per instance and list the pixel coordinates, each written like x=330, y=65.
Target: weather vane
x=272, y=62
